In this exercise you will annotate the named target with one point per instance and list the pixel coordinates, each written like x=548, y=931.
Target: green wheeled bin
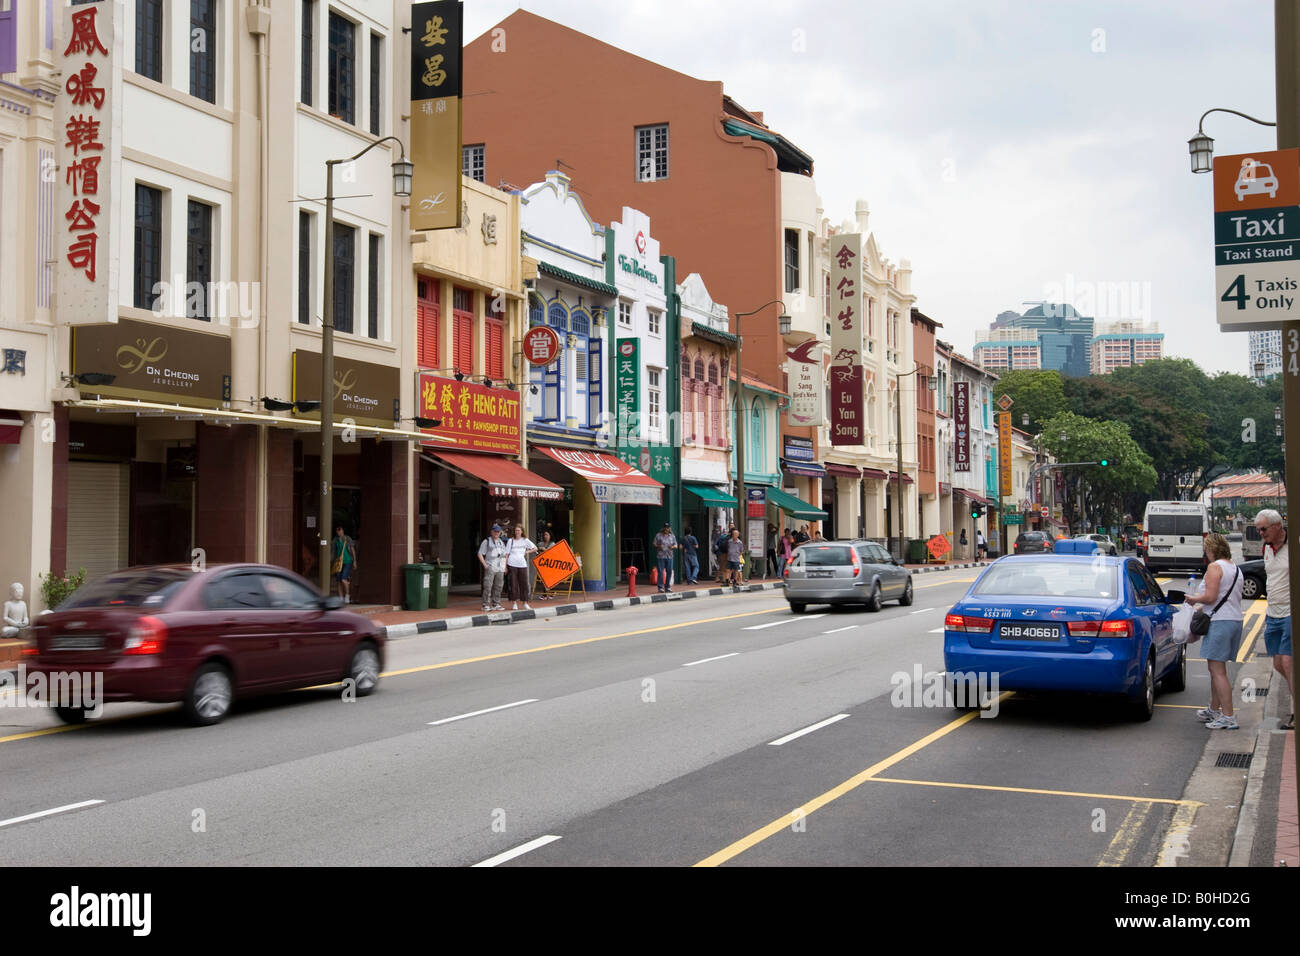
x=440, y=576
x=915, y=551
x=417, y=586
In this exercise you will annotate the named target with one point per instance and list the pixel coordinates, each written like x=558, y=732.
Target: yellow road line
x=1040, y=792
x=1182, y=706
x=936, y=584
x=1251, y=632
x=1126, y=835
x=1177, y=838
x=780, y=823
x=89, y=725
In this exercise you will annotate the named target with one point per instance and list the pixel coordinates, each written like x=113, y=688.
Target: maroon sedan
x=167, y=634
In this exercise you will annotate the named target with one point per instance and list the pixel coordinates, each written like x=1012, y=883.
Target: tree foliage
x=1104, y=492
x=1036, y=393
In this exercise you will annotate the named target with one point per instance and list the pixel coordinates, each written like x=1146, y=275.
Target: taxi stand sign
x=1257, y=239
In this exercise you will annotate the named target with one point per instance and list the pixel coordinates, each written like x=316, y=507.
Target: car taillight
x=1116, y=628
x=31, y=651
x=148, y=635
x=786, y=572
x=857, y=563
x=1083, y=628
x=967, y=624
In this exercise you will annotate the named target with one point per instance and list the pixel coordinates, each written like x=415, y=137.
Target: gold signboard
x=1004, y=452
x=153, y=362
x=364, y=392
x=436, y=38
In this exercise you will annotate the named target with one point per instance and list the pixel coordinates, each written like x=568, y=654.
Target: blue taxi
x=1072, y=620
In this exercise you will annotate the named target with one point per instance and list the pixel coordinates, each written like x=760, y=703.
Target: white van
x=1252, y=545
x=1174, y=535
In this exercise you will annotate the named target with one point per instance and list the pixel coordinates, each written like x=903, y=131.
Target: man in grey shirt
x=492, y=555
x=665, y=544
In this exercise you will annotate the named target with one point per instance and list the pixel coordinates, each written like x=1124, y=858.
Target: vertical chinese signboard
x=961, y=423
x=807, y=385
x=1004, y=453
x=436, y=29
x=89, y=125
x=627, y=398
x=847, y=410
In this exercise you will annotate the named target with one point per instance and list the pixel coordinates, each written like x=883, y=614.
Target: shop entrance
x=467, y=532
x=635, y=538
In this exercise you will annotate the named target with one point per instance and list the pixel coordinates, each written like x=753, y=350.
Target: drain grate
x=1235, y=761
x=1261, y=692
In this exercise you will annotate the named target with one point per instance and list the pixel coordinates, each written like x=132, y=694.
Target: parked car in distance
x=1065, y=622
x=1252, y=545
x=169, y=634
x=1254, y=580
x=845, y=572
x=1131, y=538
x=1033, y=542
x=1101, y=540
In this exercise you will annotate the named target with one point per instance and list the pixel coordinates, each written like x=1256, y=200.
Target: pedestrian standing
x=691, y=557
x=801, y=536
x=784, y=552
x=665, y=544
x=1221, y=600
x=520, y=550
x=492, y=555
x=720, y=551
x=1277, y=622
x=981, y=546
x=344, y=559
x=735, y=551
x=771, y=550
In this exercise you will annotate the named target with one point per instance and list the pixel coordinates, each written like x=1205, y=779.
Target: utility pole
x=1286, y=38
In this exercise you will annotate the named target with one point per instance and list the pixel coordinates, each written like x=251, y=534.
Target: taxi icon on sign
x=1255, y=178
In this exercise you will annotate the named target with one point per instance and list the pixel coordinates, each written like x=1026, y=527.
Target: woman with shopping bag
x=1219, y=601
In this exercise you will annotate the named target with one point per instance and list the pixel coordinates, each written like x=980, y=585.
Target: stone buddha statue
x=15, y=612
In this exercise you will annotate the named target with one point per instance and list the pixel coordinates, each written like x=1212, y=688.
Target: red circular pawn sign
x=541, y=345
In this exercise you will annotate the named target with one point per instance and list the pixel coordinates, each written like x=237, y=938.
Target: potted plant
x=55, y=588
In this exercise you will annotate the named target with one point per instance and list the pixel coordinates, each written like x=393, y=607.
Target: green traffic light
x=1105, y=462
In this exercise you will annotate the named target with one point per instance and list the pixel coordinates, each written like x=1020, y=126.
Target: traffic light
x=976, y=511
x=1105, y=463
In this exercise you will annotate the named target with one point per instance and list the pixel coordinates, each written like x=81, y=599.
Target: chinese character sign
x=807, y=378
x=627, y=395
x=846, y=375
x=478, y=418
x=961, y=427
x=87, y=130
x=436, y=39
x=1004, y=453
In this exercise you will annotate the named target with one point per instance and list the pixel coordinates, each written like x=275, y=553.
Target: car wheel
x=71, y=715
x=364, y=669
x=1144, y=702
x=874, y=603
x=1176, y=679
x=906, y=599
x=797, y=607
x=1249, y=587
x=209, y=696
x=959, y=701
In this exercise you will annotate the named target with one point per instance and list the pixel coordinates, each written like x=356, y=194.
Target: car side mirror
x=1175, y=597
x=332, y=603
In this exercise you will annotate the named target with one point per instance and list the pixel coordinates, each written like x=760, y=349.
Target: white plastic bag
x=1183, y=625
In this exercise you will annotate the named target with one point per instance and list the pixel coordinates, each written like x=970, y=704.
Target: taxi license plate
x=1031, y=632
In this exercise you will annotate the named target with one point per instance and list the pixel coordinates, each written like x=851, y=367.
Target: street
x=664, y=735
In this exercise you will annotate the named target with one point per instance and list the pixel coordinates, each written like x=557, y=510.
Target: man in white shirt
x=1277, y=623
x=492, y=555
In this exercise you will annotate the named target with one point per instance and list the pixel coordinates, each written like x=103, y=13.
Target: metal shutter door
x=98, y=511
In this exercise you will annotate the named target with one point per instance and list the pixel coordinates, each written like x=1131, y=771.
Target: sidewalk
x=466, y=610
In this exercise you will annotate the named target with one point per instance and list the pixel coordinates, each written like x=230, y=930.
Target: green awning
x=795, y=507
x=711, y=496
x=573, y=278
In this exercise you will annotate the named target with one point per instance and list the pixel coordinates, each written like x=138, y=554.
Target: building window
x=149, y=38
x=625, y=314
x=494, y=358
x=304, y=268
x=651, y=153
x=654, y=398
x=343, y=68
x=345, y=238
x=595, y=386
x=372, y=303
x=826, y=295
x=812, y=253
x=198, y=260
x=148, y=245
x=203, y=49
x=308, y=46
x=428, y=322
x=376, y=65
x=792, y=260
x=462, y=327
x=656, y=324
x=473, y=162
x=8, y=38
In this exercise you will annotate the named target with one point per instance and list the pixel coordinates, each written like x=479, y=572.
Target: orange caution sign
x=938, y=546
x=556, y=564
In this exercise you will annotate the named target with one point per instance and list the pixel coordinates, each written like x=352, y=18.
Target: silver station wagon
x=845, y=572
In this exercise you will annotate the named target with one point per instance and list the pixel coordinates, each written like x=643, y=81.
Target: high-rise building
x=1009, y=348
x=1125, y=344
x=1266, y=350
x=1063, y=335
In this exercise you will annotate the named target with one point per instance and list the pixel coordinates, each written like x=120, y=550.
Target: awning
x=874, y=473
x=795, y=507
x=805, y=468
x=847, y=471
x=893, y=478
x=966, y=493
x=612, y=481
x=11, y=428
x=712, y=497
x=502, y=476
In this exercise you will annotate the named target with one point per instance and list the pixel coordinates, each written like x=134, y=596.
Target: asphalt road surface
x=715, y=731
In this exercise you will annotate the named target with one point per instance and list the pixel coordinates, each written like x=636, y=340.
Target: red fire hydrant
x=654, y=575
x=631, y=581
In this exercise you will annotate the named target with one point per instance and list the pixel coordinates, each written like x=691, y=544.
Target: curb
x=1249, y=822
x=398, y=631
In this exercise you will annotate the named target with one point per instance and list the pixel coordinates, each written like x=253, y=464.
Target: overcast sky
x=1011, y=150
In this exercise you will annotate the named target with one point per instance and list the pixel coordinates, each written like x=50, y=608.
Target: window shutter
x=428, y=324
x=495, y=358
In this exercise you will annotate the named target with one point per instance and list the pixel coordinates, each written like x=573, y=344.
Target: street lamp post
x=742, y=498
x=402, y=171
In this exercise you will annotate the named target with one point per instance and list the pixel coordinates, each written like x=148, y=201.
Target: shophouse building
x=975, y=450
